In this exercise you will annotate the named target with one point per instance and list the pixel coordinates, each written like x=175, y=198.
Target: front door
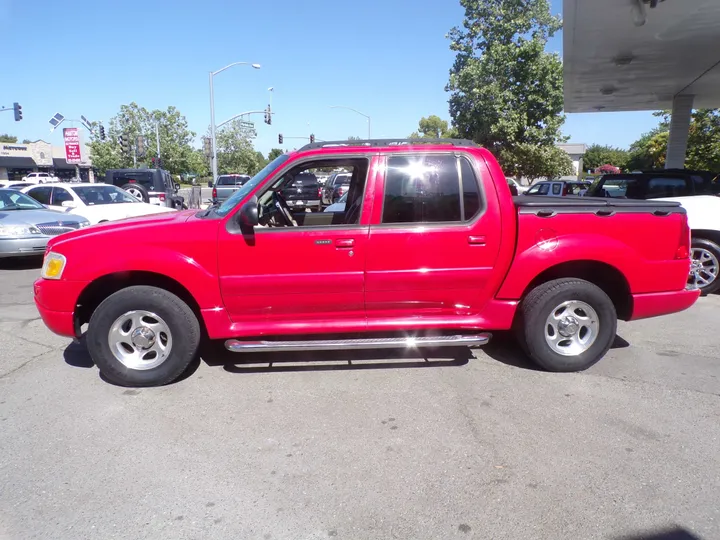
x=434, y=240
x=291, y=278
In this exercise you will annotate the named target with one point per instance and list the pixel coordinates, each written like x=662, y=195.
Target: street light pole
x=212, y=113
x=355, y=111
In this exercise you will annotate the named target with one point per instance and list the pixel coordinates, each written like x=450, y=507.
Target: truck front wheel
x=143, y=336
x=566, y=324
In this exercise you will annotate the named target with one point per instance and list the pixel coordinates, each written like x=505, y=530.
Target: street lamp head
x=256, y=66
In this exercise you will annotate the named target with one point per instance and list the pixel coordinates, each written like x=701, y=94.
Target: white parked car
x=40, y=178
x=96, y=202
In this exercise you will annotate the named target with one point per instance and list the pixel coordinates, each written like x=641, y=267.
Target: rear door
x=434, y=240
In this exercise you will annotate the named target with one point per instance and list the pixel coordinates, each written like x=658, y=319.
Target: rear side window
x=556, y=189
x=144, y=178
x=667, y=187
x=41, y=194
x=60, y=196
x=430, y=189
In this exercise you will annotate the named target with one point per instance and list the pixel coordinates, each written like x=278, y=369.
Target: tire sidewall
x=184, y=329
x=534, y=328
x=141, y=189
x=709, y=245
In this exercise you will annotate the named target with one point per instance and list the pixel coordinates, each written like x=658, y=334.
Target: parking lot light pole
x=212, y=113
x=353, y=110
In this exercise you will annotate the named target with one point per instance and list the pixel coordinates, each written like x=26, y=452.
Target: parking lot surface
x=363, y=445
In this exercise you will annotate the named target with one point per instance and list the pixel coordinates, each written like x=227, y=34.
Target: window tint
x=543, y=189
x=143, y=178
x=471, y=191
x=667, y=187
x=421, y=190
x=556, y=189
x=60, y=195
x=41, y=194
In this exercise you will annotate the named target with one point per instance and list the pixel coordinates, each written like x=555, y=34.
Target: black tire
x=714, y=250
x=140, y=189
x=183, y=325
x=538, y=305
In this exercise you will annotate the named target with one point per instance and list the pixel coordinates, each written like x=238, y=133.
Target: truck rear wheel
x=566, y=324
x=143, y=336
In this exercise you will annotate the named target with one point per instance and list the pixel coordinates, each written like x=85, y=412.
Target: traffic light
x=121, y=142
x=312, y=138
x=17, y=109
x=102, y=132
x=268, y=116
x=280, y=139
x=207, y=146
x=124, y=141
x=141, y=146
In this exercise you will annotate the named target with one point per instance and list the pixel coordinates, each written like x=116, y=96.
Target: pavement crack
x=18, y=368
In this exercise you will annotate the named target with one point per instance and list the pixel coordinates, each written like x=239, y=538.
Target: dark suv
x=303, y=192
x=152, y=186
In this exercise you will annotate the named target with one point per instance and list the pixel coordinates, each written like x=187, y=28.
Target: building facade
x=17, y=160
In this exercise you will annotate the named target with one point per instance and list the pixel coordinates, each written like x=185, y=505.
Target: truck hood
x=135, y=224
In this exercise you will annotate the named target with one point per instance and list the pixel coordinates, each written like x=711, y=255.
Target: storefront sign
x=13, y=150
x=72, y=145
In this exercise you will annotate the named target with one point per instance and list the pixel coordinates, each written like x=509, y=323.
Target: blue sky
x=389, y=59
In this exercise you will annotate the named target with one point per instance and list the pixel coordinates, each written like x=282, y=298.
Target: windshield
x=14, y=200
x=251, y=184
x=95, y=195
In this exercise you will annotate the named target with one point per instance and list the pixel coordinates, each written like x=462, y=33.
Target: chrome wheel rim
x=572, y=328
x=135, y=193
x=703, y=267
x=140, y=340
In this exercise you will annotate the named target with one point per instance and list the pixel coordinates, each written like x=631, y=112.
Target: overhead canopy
x=625, y=55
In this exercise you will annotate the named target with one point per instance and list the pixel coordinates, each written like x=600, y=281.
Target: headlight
x=84, y=224
x=18, y=230
x=53, y=266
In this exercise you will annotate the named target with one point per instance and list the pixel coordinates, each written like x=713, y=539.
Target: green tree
x=353, y=138
x=648, y=152
x=26, y=141
x=534, y=161
x=6, y=138
x=275, y=152
x=133, y=121
x=433, y=127
x=598, y=155
x=505, y=89
x=235, y=150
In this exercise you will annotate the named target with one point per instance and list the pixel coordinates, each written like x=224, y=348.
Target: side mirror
x=248, y=214
x=69, y=204
x=176, y=186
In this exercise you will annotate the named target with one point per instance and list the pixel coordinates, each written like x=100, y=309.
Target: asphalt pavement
x=362, y=445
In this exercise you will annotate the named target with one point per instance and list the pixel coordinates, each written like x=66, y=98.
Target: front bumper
x=665, y=303
x=56, y=301
x=23, y=247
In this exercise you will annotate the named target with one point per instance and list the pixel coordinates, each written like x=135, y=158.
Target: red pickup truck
x=431, y=249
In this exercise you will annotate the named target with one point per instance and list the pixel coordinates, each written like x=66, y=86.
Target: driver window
x=295, y=199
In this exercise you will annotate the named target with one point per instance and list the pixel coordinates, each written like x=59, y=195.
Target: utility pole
x=157, y=138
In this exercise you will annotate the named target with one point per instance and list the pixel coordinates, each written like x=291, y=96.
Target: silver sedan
x=26, y=226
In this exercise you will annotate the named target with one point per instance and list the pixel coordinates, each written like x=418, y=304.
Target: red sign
x=72, y=145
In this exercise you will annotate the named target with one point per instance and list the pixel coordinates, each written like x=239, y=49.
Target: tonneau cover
x=540, y=201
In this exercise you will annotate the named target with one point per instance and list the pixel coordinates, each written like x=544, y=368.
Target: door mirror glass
x=248, y=214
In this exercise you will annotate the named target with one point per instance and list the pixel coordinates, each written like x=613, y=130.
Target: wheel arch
x=102, y=287
x=609, y=278
x=706, y=234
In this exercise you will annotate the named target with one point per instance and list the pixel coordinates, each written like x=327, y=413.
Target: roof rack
x=386, y=142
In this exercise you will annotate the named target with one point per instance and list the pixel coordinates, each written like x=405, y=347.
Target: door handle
x=344, y=242
x=476, y=240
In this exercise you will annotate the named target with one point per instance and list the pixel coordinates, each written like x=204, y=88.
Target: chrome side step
x=475, y=340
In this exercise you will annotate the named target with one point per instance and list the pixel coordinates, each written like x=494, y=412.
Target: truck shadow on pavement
x=21, y=263
x=502, y=348
x=676, y=533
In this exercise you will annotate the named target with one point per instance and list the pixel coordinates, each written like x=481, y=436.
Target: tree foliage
x=598, y=155
x=235, y=150
x=7, y=138
x=535, y=161
x=434, y=127
x=178, y=155
x=275, y=152
x=506, y=90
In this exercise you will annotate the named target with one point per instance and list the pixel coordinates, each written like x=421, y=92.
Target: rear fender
x=549, y=252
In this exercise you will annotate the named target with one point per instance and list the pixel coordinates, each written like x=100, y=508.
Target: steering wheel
x=283, y=209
